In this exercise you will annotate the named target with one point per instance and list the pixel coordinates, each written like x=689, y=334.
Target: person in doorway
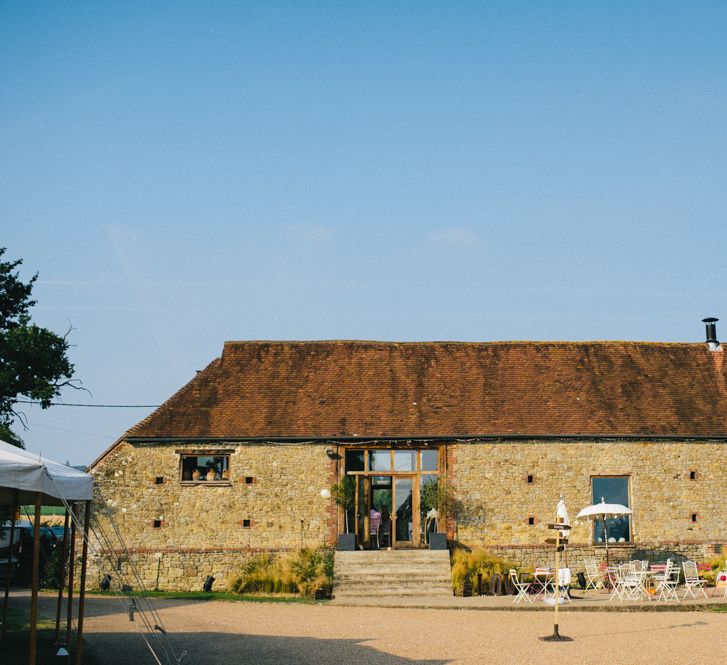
x=385, y=530
x=375, y=525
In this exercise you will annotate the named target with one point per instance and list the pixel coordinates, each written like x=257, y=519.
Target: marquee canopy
x=30, y=473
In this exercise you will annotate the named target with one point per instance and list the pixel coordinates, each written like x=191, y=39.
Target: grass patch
x=216, y=595
x=17, y=636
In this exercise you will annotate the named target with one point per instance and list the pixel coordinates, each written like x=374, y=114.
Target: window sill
x=211, y=483
x=613, y=545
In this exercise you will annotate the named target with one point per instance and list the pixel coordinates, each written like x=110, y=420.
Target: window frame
x=595, y=500
x=216, y=452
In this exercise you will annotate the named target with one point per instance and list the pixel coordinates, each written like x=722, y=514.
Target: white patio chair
x=541, y=579
x=521, y=587
x=618, y=579
x=691, y=580
x=594, y=579
x=634, y=584
x=667, y=589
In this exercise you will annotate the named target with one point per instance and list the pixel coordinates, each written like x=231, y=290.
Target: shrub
x=308, y=572
x=716, y=564
x=467, y=564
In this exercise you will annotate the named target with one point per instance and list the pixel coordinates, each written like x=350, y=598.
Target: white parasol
x=603, y=511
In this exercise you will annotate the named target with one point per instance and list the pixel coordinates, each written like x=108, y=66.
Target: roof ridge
x=462, y=343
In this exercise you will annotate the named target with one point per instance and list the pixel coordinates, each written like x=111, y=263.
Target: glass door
x=403, y=526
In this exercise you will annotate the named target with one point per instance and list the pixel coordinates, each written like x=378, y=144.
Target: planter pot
x=347, y=542
x=196, y=474
x=437, y=541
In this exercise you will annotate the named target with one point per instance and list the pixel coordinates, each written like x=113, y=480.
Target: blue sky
x=181, y=174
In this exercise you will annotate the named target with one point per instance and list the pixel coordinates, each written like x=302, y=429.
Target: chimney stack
x=711, y=326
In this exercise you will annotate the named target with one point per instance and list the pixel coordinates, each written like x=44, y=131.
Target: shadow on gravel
x=656, y=629
x=216, y=648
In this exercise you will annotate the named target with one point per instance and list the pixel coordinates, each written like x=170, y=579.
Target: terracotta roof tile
x=427, y=389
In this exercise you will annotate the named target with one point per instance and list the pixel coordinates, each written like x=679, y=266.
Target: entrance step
x=392, y=573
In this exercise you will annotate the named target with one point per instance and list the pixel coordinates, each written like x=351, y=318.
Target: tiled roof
x=430, y=389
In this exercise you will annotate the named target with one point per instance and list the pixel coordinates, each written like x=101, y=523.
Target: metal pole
x=36, y=579
x=557, y=576
x=61, y=576
x=71, y=557
x=82, y=589
x=10, y=565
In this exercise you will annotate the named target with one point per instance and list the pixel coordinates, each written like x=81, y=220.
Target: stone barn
x=242, y=458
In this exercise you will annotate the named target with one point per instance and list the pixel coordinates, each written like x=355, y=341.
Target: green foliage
x=33, y=360
x=7, y=435
x=716, y=564
x=344, y=494
x=430, y=491
x=308, y=572
x=467, y=564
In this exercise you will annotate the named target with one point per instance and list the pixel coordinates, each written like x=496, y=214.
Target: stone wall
x=202, y=529
x=496, y=500
x=211, y=529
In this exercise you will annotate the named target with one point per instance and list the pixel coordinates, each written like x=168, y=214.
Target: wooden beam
x=9, y=571
x=62, y=575
x=71, y=557
x=36, y=580
x=82, y=585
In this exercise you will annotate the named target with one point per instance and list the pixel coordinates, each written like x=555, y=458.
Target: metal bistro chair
x=594, y=578
x=691, y=580
x=521, y=587
x=667, y=588
x=374, y=529
x=541, y=580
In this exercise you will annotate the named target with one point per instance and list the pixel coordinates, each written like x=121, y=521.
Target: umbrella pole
x=605, y=538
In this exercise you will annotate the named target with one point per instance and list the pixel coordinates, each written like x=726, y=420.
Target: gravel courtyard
x=267, y=633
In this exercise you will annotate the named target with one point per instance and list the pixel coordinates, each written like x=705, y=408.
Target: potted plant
x=435, y=500
x=344, y=494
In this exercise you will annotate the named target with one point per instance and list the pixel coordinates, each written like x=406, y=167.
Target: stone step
x=381, y=573
x=370, y=576
x=394, y=591
x=408, y=584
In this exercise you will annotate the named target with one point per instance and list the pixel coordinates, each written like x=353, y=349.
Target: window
x=159, y=480
x=249, y=480
x=612, y=489
x=692, y=475
x=157, y=524
x=531, y=479
x=246, y=524
x=354, y=460
x=531, y=521
x=380, y=460
x=405, y=460
x=430, y=460
x=205, y=468
x=694, y=517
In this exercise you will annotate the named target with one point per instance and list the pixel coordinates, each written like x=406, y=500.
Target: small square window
x=531, y=479
x=694, y=517
x=159, y=480
x=249, y=480
x=692, y=475
x=157, y=524
x=246, y=524
x=531, y=521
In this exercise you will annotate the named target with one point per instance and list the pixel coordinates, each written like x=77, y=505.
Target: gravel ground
x=267, y=633
x=273, y=633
